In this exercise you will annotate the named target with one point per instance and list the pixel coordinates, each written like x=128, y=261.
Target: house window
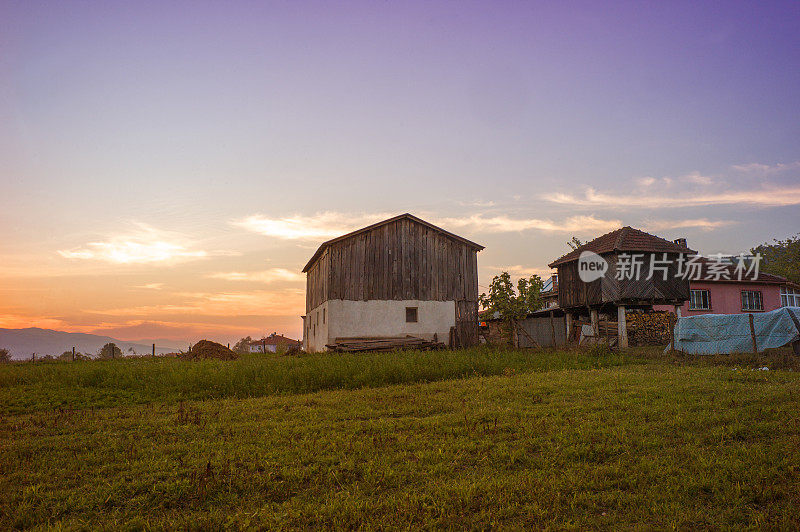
x=323, y=316
x=700, y=300
x=751, y=300
x=411, y=314
x=790, y=297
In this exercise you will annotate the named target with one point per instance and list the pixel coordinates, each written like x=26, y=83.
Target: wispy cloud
x=320, y=226
x=257, y=302
x=766, y=169
x=701, y=223
x=143, y=246
x=265, y=276
x=151, y=286
x=763, y=197
x=506, y=224
x=519, y=270
x=332, y=224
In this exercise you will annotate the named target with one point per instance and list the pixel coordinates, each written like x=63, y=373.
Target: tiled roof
x=706, y=274
x=277, y=339
x=624, y=239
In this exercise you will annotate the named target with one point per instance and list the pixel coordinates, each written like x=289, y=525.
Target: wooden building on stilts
x=641, y=270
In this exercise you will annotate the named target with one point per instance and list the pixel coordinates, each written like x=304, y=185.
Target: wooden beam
x=622, y=328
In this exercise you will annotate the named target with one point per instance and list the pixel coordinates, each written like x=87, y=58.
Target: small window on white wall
x=323, y=316
x=411, y=314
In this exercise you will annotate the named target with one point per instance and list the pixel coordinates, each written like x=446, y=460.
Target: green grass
x=570, y=441
x=26, y=387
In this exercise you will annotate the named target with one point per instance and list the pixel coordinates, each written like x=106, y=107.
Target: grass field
x=473, y=439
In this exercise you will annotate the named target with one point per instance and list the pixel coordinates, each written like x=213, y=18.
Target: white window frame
x=693, y=299
x=752, y=301
x=790, y=297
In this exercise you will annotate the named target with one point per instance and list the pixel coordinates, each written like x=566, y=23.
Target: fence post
x=753, y=335
x=154, y=350
x=673, y=320
x=567, y=327
x=73, y=353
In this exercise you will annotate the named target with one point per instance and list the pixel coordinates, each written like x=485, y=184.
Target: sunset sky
x=167, y=168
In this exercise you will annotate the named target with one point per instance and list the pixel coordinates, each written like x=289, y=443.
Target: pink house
x=760, y=293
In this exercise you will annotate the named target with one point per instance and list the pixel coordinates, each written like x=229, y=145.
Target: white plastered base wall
x=340, y=319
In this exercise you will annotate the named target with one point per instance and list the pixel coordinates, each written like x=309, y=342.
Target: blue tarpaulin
x=710, y=334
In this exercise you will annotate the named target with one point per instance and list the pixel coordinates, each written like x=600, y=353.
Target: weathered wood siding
x=318, y=282
x=656, y=289
x=572, y=292
x=541, y=332
x=402, y=260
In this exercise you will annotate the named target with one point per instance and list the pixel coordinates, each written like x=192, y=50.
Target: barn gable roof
x=624, y=239
x=408, y=216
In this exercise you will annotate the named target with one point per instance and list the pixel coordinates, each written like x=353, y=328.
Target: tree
x=243, y=345
x=67, y=355
x=781, y=258
x=511, y=304
x=110, y=350
x=5, y=356
x=575, y=243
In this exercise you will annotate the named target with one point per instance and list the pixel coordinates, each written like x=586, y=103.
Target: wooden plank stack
x=383, y=343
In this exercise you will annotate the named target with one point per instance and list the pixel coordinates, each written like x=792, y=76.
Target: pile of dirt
x=206, y=349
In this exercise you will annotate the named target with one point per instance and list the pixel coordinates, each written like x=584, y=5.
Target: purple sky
x=204, y=126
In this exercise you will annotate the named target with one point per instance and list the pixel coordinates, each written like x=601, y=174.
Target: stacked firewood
x=649, y=328
x=384, y=343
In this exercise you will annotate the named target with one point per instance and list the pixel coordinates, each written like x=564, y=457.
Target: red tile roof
x=624, y=239
x=733, y=276
x=275, y=339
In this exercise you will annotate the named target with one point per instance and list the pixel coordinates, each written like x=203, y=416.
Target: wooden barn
x=402, y=276
x=636, y=289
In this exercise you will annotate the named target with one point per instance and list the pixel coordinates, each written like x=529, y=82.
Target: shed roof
x=408, y=216
x=624, y=239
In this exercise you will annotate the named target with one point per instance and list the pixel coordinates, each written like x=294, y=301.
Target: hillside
x=22, y=342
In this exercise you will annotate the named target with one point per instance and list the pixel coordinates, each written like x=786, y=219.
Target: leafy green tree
x=509, y=303
x=243, y=345
x=110, y=350
x=781, y=258
x=575, y=243
x=5, y=356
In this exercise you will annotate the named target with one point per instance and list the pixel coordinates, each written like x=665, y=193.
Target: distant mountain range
x=23, y=342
